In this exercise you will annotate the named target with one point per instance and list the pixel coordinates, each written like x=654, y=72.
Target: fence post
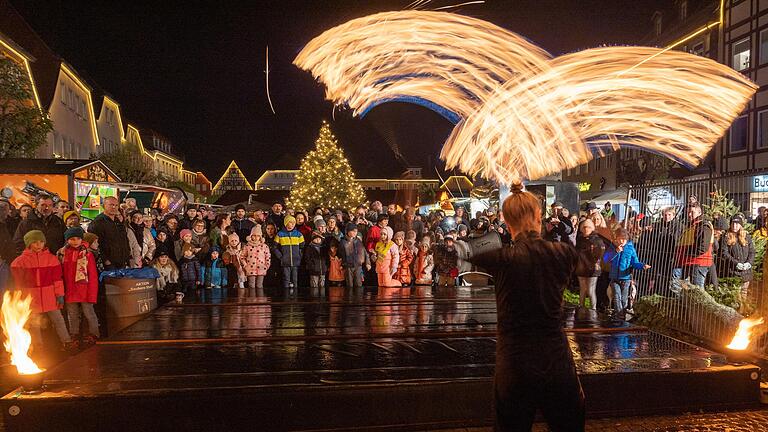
x=626, y=207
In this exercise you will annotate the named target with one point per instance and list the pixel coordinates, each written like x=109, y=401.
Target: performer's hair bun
x=516, y=187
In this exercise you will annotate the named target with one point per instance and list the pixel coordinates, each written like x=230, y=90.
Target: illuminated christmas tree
x=325, y=178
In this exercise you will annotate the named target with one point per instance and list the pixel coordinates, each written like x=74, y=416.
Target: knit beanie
x=399, y=234
x=289, y=219
x=256, y=231
x=73, y=232
x=184, y=232
x=33, y=236
x=350, y=226
x=389, y=231
x=90, y=238
x=317, y=218
x=69, y=214
x=319, y=221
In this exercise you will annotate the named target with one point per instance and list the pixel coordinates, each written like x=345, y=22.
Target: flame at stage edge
x=15, y=314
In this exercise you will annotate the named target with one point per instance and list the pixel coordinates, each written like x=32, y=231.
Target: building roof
x=267, y=197
x=45, y=64
x=674, y=27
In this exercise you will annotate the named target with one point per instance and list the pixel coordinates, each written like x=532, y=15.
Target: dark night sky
x=194, y=70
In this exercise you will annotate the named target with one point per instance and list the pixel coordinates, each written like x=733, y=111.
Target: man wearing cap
x=353, y=256
x=558, y=227
x=112, y=234
x=45, y=220
x=591, y=208
x=241, y=224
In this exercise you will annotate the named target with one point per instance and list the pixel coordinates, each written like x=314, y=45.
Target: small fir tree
x=325, y=178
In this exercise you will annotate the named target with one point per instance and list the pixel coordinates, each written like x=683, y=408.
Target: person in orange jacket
x=81, y=285
x=37, y=273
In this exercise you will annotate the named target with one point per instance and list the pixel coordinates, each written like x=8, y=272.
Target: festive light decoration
x=325, y=178
x=521, y=114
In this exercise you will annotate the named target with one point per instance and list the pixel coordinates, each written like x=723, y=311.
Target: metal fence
x=669, y=296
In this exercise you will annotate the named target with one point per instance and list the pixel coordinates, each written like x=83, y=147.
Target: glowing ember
x=743, y=333
x=15, y=313
x=520, y=113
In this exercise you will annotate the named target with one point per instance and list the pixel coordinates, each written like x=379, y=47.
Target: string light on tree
x=325, y=178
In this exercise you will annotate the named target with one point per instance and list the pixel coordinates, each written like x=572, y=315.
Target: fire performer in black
x=534, y=364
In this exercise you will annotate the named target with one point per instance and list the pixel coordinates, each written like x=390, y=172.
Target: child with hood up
x=387, y=259
x=406, y=259
x=424, y=264
x=81, y=286
x=256, y=258
x=232, y=258
x=37, y=273
x=213, y=273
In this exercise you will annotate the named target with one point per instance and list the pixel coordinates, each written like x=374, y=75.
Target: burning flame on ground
x=741, y=339
x=522, y=114
x=15, y=314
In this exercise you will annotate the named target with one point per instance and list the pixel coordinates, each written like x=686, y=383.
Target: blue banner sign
x=760, y=183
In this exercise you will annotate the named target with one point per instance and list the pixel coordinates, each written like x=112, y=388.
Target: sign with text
x=760, y=183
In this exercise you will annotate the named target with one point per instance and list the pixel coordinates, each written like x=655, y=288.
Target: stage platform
x=397, y=359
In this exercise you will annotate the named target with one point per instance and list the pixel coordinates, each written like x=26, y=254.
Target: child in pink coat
x=256, y=258
x=387, y=259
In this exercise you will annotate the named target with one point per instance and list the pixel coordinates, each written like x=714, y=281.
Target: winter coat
x=592, y=248
x=464, y=252
x=445, y=259
x=404, y=266
x=389, y=261
x=560, y=231
x=242, y=227
x=189, y=270
x=291, y=244
x=234, y=264
x=7, y=248
x=202, y=241
x=113, y=240
x=314, y=260
x=353, y=253
x=425, y=264
x=178, y=250
x=306, y=231
x=84, y=291
x=142, y=253
x=39, y=275
x=335, y=270
x=622, y=262
x=52, y=226
x=372, y=237
x=276, y=219
x=256, y=259
x=737, y=254
x=694, y=248
x=214, y=273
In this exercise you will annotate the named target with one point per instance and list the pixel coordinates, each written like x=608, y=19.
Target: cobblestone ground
x=738, y=421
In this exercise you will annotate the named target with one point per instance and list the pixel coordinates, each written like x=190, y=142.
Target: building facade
x=284, y=179
x=744, y=47
x=232, y=179
x=109, y=126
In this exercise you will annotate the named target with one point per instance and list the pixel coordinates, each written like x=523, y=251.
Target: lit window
x=764, y=47
x=762, y=129
x=741, y=52
x=738, y=136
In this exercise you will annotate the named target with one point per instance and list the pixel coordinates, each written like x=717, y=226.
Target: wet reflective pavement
x=363, y=347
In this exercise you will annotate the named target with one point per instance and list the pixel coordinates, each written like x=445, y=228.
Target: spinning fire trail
x=519, y=113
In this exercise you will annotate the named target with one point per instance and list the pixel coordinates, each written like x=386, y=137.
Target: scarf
x=382, y=249
x=81, y=266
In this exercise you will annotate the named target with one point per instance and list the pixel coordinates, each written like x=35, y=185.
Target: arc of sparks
x=266, y=72
x=520, y=113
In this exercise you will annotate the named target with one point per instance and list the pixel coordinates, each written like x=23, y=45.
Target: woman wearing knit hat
x=387, y=259
x=81, y=286
x=38, y=274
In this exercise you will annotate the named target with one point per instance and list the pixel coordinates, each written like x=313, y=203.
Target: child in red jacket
x=81, y=285
x=37, y=272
